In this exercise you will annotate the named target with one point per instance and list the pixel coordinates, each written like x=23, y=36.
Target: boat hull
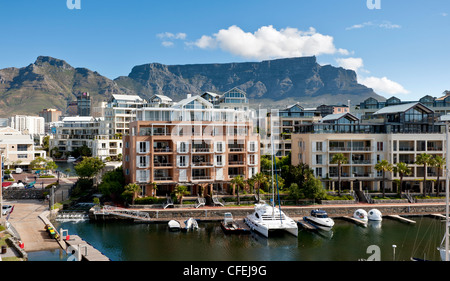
x=265, y=230
x=324, y=224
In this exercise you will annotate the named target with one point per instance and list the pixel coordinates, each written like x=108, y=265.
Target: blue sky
x=401, y=49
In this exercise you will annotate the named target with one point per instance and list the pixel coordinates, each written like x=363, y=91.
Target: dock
x=439, y=216
x=359, y=222
x=85, y=250
x=399, y=218
x=305, y=225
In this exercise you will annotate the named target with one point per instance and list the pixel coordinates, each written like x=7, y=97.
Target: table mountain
x=52, y=83
x=298, y=79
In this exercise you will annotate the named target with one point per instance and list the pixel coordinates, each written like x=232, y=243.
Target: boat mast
x=447, y=166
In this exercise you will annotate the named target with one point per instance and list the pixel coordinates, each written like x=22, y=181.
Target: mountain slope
x=49, y=83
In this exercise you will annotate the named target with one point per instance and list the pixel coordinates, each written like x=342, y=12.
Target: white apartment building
x=397, y=134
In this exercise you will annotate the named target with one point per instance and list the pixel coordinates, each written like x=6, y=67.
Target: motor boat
x=230, y=226
x=360, y=214
x=266, y=219
x=190, y=224
x=320, y=219
x=375, y=215
x=174, y=225
x=71, y=159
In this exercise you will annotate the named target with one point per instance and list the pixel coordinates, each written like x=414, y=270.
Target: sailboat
x=268, y=218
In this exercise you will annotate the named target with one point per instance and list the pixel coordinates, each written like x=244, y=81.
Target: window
x=22, y=156
x=22, y=147
x=142, y=161
x=319, y=159
x=252, y=159
x=142, y=175
x=219, y=160
x=142, y=146
x=380, y=146
x=252, y=146
x=182, y=161
x=319, y=146
x=318, y=172
x=219, y=147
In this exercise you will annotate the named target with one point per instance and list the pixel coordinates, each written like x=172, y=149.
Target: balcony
x=201, y=149
x=236, y=148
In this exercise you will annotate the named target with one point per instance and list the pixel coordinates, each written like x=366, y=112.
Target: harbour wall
x=217, y=213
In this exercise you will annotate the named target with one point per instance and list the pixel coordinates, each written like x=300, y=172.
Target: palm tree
x=133, y=190
x=439, y=163
x=384, y=166
x=154, y=186
x=180, y=191
x=425, y=160
x=238, y=182
x=339, y=159
x=403, y=170
x=259, y=179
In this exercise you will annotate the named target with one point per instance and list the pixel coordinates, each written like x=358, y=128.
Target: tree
x=180, y=191
x=259, y=179
x=339, y=159
x=439, y=163
x=112, y=184
x=425, y=160
x=384, y=166
x=89, y=167
x=131, y=190
x=154, y=188
x=403, y=170
x=237, y=183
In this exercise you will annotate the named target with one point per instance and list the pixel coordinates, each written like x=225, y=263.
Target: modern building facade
x=194, y=143
x=395, y=133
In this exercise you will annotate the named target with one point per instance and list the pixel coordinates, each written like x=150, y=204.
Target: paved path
x=25, y=219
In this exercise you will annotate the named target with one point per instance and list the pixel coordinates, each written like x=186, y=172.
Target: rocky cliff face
x=50, y=82
x=296, y=78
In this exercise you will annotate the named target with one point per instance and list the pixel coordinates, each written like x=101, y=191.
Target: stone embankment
x=217, y=213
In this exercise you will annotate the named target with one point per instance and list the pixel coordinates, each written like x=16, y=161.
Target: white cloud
x=350, y=63
x=384, y=24
x=269, y=43
x=379, y=85
x=383, y=85
x=444, y=14
x=168, y=38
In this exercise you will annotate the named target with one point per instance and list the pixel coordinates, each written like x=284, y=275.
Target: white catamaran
x=268, y=218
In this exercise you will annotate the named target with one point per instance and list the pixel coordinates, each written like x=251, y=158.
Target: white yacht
x=174, y=225
x=320, y=219
x=71, y=159
x=266, y=219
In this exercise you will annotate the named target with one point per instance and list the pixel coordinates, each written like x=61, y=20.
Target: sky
x=397, y=47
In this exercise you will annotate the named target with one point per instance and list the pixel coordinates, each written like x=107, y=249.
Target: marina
x=125, y=241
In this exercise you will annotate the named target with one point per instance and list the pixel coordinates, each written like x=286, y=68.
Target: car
x=6, y=209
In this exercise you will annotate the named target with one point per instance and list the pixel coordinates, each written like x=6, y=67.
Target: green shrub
x=149, y=200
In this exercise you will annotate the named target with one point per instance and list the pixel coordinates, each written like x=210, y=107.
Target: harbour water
x=127, y=241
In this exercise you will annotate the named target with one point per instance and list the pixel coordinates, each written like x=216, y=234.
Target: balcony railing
x=201, y=178
x=159, y=164
x=202, y=164
x=236, y=162
x=162, y=178
x=201, y=149
x=165, y=149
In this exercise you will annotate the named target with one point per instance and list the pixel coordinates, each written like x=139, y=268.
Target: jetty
x=359, y=222
x=305, y=225
x=83, y=250
x=399, y=218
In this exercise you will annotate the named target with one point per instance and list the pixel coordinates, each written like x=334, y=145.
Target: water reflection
x=346, y=242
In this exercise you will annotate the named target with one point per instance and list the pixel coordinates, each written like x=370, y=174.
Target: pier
x=402, y=219
x=305, y=225
x=359, y=222
x=84, y=251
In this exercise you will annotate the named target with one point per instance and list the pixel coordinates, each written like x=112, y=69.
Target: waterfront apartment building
x=18, y=149
x=281, y=123
x=440, y=105
x=193, y=143
x=73, y=132
x=396, y=134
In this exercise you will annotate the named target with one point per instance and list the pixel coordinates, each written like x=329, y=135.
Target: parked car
x=6, y=209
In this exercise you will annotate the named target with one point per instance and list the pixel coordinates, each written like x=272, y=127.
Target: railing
x=201, y=149
x=125, y=213
x=235, y=149
x=162, y=164
x=236, y=163
x=166, y=149
x=163, y=178
x=202, y=164
x=201, y=177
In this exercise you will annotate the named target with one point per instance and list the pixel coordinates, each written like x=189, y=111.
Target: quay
x=359, y=222
x=84, y=251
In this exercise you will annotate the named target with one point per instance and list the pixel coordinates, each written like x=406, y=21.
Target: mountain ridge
x=52, y=83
